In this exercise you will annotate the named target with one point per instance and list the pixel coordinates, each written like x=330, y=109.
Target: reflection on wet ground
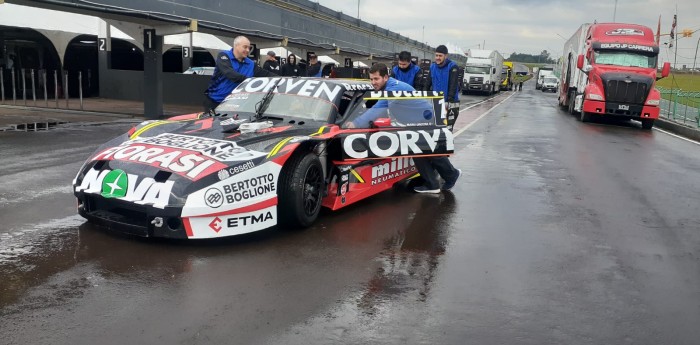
x=410, y=258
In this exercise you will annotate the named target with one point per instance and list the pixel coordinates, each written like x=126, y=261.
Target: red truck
x=609, y=69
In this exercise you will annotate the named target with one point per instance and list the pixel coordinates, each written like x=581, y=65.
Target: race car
x=273, y=153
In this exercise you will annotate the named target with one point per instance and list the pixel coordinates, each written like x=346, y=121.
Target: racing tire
x=647, y=123
x=300, y=191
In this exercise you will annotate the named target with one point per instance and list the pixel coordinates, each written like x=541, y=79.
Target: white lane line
x=482, y=115
x=677, y=136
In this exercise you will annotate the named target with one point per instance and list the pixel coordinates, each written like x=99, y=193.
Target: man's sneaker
x=424, y=189
x=449, y=184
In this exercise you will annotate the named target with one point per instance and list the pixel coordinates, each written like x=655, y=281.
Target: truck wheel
x=572, y=100
x=647, y=124
x=585, y=116
x=300, y=191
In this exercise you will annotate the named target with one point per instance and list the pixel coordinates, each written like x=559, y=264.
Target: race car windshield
x=624, y=58
x=477, y=70
x=402, y=111
x=280, y=105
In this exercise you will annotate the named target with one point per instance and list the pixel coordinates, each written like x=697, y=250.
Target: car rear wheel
x=300, y=191
x=647, y=124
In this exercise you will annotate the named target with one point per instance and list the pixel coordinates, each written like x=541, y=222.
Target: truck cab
x=482, y=72
x=611, y=71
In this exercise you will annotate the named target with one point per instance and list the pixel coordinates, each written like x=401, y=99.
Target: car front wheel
x=300, y=191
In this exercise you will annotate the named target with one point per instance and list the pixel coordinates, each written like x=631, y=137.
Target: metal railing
x=24, y=86
x=680, y=106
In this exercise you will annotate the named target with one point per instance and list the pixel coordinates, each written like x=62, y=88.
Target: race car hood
x=162, y=162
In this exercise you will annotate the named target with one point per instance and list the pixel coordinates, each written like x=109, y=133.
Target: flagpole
x=675, y=21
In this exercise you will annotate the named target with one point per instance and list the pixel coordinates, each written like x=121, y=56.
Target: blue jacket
x=409, y=76
x=229, y=72
x=441, y=79
x=406, y=111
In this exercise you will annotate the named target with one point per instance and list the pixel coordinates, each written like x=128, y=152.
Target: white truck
x=482, y=72
x=541, y=74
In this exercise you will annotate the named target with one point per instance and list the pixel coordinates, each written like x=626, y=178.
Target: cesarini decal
x=398, y=143
x=120, y=185
x=234, y=224
x=241, y=190
x=220, y=150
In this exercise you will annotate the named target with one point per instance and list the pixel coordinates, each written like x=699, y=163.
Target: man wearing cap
x=444, y=75
x=232, y=67
x=271, y=64
x=314, y=68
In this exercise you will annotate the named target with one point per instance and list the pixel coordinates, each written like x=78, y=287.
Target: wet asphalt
x=558, y=232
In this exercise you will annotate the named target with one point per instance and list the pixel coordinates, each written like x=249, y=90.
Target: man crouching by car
x=380, y=80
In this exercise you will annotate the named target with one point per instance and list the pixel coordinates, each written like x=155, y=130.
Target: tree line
x=543, y=58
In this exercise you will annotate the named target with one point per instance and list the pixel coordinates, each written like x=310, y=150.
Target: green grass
x=689, y=84
x=683, y=81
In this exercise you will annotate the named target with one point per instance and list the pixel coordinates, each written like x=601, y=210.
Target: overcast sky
x=523, y=26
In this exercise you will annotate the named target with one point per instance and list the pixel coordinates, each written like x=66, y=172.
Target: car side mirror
x=381, y=122
x=494, y=70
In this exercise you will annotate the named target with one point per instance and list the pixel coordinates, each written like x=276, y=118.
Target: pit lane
x=558, y=232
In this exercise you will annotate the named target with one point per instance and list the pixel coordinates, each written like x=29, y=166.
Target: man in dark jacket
x=314, y=68
x=444, y=75
x=406, y=71
x=271, y=64
x=291, y=68
x=232, y=67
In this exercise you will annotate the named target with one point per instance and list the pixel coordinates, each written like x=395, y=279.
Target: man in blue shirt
x=410, y=111
x=403, y=111
x=232, y=67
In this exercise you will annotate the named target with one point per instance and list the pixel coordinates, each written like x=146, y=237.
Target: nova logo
x=387, y=171
x=115, y=184
x=120, y=185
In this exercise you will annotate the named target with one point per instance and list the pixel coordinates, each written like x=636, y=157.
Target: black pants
x=452, y=114
x=209, y=104
x=428, y=165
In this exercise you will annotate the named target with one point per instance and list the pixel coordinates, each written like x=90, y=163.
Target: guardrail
x=680, y=106
x=22, y=86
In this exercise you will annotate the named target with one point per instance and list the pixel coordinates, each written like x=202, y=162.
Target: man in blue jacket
x=406, y=71
x=232, y=67
x=444, y=75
